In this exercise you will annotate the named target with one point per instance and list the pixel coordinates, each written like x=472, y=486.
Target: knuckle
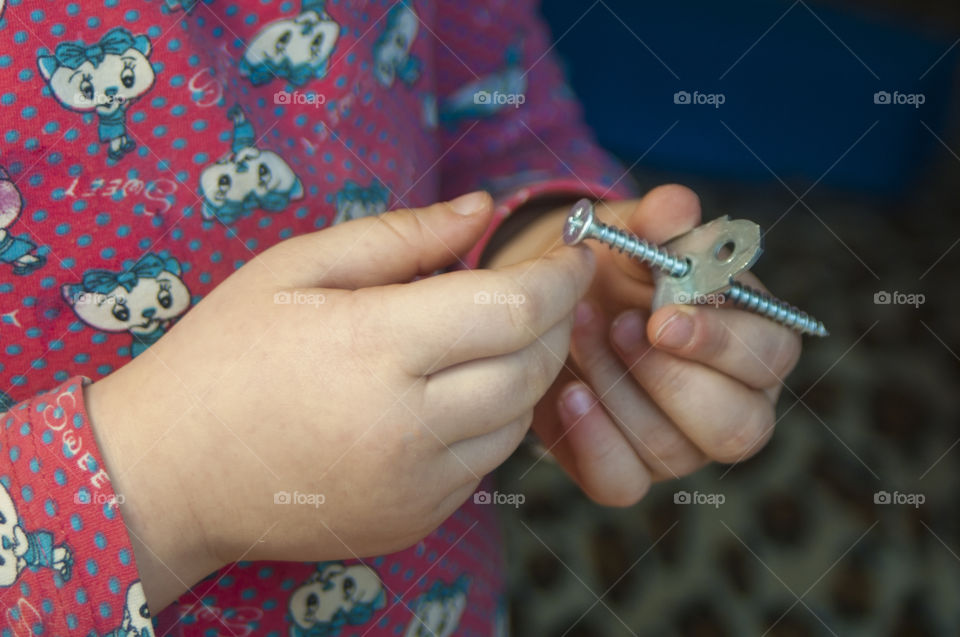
x=714, y=336
x=573, y=270
x=670, y=381
x=600, y=364
x=744, y=437
x=544, y=367
x=495, y=448
x=668, y=446
x=563, y=276
x=364, y=330
x=522, y=315
x=622, y=493
x=612, y=477
x=403, y=224
x=784, y=356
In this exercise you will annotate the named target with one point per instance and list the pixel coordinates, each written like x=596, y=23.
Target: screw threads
x=581, y=224
x=775, y=309
x=639, y=249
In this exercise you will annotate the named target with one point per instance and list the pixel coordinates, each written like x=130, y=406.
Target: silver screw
x=775, y=309
x=581, y=224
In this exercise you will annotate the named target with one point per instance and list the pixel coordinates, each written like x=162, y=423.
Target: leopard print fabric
x=803, y=543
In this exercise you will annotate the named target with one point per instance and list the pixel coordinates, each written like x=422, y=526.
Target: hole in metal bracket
x=724, y=252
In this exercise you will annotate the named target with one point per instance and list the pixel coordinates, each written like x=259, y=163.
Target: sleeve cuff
x=68, y=555
x=508, y=202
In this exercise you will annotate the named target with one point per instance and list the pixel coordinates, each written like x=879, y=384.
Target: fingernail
x=583, y=313
x=577, y=401
x=676, y=331
x=469, y=204
x=628, y=331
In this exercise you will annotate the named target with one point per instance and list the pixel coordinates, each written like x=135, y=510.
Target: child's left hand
x=658, y=395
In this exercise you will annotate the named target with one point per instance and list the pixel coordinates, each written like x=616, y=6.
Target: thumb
x=664, y=213
x=393, y=247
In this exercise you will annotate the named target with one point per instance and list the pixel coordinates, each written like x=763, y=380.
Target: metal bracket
x=717, y=251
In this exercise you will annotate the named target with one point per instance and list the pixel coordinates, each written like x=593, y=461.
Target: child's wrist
x=148, y=477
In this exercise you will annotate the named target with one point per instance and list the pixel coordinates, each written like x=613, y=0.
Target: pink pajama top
x=147, y=150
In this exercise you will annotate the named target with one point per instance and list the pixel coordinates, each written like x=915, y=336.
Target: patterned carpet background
x=799, y=547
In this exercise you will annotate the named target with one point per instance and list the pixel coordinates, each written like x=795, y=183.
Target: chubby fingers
x=463, y=316
x=598, y=456
x=477, y=397
x=745, y=346
x=654, y=439
x=728, y=420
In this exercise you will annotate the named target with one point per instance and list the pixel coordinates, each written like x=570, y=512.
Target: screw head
x=578, y=223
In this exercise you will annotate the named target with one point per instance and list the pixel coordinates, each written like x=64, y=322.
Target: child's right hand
x=391, y=399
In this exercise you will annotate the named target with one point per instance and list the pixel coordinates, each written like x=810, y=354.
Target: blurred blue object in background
x=800, y=85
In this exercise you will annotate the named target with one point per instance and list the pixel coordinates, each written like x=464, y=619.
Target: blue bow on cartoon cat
x=104, y=77
x=143, y=299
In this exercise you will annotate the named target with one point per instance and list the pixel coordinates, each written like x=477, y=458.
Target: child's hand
x=386, y=400
x=664, y=396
